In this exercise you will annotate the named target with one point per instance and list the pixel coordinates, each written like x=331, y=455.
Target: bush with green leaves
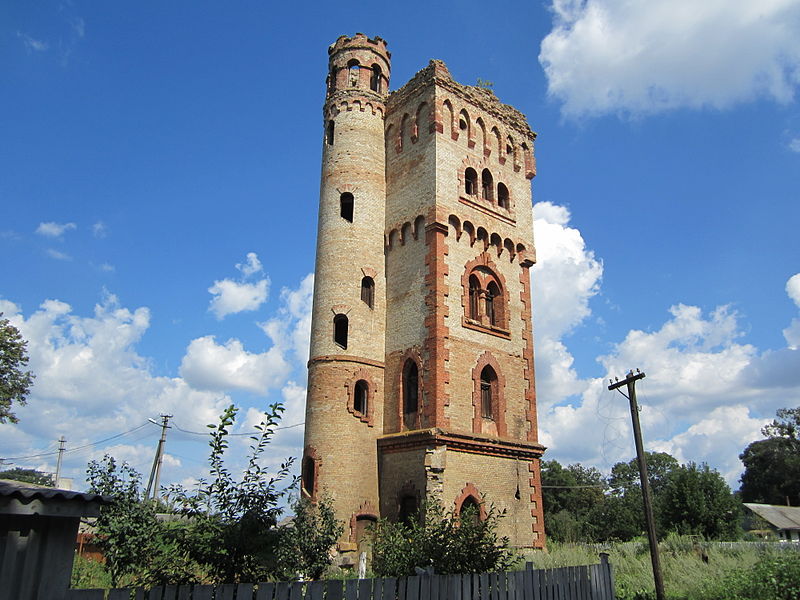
x=305, y=543
x=443, y=540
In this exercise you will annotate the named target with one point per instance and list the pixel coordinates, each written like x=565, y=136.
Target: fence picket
x=119, y=594
x=225, y=591
x=313, y=591
x=266, y=589
x=282, y=590
x=296, y=590
x=389, y=589
x=333, y=590
x=184, y=593
x=350, y=589
x=466, y=587
x=203, y=592
x=365, y=589
x=425, y=587
x=244, y=591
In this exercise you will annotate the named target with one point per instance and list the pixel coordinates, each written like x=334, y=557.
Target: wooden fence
x=590, y=582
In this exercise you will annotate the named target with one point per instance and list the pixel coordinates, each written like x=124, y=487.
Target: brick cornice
x=459, y=442
x=344, y=358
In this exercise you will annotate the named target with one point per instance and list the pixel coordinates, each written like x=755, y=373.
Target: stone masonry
x=421, y=378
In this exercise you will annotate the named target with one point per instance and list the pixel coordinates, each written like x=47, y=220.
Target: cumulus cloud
x=607, y=56
x=99, y=230
x=792, y=333
x=564, y=280
x=251, y=265
x=291, y=329
x=231, y=297
x=57, y=254
x=208, y=365
x=91, y=382
x=52, y=229
x=794, y=145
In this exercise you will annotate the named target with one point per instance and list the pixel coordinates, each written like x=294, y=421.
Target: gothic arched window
x=410, y=387
x=474, y=298
x=502, y=196
x=375, y=79
x=488, y=391
x=487, y=185
x=470, y=181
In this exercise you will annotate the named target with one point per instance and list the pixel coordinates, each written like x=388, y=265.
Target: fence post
x=609, y=574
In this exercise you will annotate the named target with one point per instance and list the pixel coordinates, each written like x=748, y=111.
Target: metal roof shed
x=38, y=527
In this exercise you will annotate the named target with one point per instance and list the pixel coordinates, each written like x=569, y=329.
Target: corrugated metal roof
x=27, y=492
x=782, y=517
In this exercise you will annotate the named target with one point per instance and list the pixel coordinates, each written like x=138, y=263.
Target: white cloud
x=106, y=268
x=57, y=254
x=99, y=230
x=251, y=265
x=291, y=329
x=211, y=366
x=52, y=229
x=794, y=144
x=607, y=56
x=792, y=333
x=32, y=43
x=231, y=297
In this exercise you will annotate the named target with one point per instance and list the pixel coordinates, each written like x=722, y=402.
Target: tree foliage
x=305, y=543
x=15, y=381
x=447, y=542
x=29, y=476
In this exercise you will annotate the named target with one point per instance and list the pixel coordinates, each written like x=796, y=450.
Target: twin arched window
x=487, y=187
x=486, y=302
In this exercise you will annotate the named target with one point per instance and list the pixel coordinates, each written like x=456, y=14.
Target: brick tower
x=421, y=382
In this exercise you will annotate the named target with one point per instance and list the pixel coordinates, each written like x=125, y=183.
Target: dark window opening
x=509, y=149
x=361, y=397
x=492, y=311
x=340, y=325
x=502, y=195
x=462, y=124
x=488, y=385
x=368, y=291
x=329, y=133
x=470, y=509
x=375, y=79
x=471, y=181
x=408, y=509
x=410, y=387
x=487, y=185
x=474, y=297
x=307, y=476
x=346, y=202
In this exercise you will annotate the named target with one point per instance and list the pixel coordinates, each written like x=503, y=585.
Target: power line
x=113, y=437
x=175, y=425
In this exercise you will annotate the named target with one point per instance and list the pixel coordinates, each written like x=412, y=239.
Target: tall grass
x=691, y=569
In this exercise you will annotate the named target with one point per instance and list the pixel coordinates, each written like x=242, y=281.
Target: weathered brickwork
x=421, y=374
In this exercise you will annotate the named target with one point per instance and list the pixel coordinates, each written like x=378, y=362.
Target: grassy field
x=691, y=569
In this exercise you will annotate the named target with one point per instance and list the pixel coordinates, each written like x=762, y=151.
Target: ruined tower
x=421, y=382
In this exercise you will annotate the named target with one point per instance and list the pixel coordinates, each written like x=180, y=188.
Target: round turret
x=358, y=63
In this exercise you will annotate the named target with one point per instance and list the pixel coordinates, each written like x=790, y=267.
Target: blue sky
x=159, y=181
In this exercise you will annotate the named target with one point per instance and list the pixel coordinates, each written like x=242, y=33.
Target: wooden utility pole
x=61, y=445
x=155, y=471
x=630, y=382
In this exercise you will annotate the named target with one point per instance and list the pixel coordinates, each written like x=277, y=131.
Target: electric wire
x=98, y=442
x=176, y=426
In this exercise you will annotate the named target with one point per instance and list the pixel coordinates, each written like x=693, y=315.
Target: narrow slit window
x=340, y=326
x=307, y=477
x=492, y=303
x=329, y=133
x=361, y=397
x=471, y=181
x=410, y=387
x=488, y=385
x=368, y=291
x=474, y=296
x=353, y=68
x=346, y=203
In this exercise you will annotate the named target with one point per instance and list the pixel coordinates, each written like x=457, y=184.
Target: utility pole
x=630, y=382
x=155, y=472
x=61, y=444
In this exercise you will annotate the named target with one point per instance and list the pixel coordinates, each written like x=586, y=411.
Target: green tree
x=15, y=381
x=695, y=499
x=772, y=465
x=29, y=476
x=305, y=544
x=569, y=495
x=232, y=527
x=447, y=542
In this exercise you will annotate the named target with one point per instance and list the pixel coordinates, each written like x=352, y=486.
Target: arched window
x=308, y=477
x=346, y=203
x=470, y=509
x=408, y=509
x=470, y=181
x=353, y=70
x=329, y=133
x=474, y=298
x=502, y=196
x=361, y=397
x=487, y=185
x=375, y=79
x=410, y=387
x=340, y=325
x=493, y=303
x=488, y=391
x=368, y=291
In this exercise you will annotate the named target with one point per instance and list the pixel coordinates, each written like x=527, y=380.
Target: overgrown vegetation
x=29, y=476
x=223, y=531
x=447, y=542
x=693, y=569
x=15, y=381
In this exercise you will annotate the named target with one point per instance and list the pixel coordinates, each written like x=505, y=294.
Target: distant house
x=785, y=520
